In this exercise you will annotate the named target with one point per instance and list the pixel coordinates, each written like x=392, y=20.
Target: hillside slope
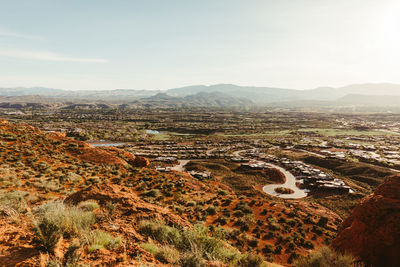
x=116, y=198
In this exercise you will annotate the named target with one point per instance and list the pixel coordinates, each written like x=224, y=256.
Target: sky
x=150, y=44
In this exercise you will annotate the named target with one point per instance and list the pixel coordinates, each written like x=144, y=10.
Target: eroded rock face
x=372, y=231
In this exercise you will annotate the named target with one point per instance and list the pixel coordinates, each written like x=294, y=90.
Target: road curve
x=181, y=166
x=289, y=183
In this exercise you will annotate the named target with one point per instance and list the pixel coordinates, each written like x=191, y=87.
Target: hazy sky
x=148, y=44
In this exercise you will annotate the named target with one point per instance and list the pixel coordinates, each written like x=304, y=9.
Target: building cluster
x=196, y=150
x=312, y=178
x=163, y=169
x=307, y=176
x=200, y=175
x=381, y=150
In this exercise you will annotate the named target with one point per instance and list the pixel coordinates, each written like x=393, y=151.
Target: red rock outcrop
x=372, y=231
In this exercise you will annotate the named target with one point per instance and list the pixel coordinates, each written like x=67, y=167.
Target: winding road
x=289, y=183
x=269, y=189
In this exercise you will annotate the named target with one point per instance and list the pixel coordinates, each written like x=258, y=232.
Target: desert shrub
x=251, y=260
x=226, y=202
x=89, y=205
x=93, y=180
x=71, y=256
x=191, y=260
x=278, y=249
x=150, y=247
x=71, y=177
x=162, y=233
x=14, y=200
x=323, y=221
x=292, y=223
x=253, y=243
x=101, y=240
x=211, y=210
x=152, y=193
x=308, y=244
x=54, y=262
x=222, y=220
x=283, y=190
x=243, y=224
x=70, y=220
x=325, y=257
x=244, y=207
x=274, y=227
x=9, y=180
x=43, y=166
x=268, y=249
x=222, y=193
x=318, y=230
x=238, y=213
x=165, y=254
x=47, y=234
x=110, y=206
x=194, y=245
x=221, y=233
x=191, y=203
x=264, y=212
x=282, y=220
x=268, y=235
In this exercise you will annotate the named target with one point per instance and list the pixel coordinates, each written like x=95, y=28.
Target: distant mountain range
x=200, y=99
x=264, y=95
x=220, y=95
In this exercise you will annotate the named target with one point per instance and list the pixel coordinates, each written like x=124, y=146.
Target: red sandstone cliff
x=372, y=231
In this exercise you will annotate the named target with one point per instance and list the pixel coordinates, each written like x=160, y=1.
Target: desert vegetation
x=226, y=216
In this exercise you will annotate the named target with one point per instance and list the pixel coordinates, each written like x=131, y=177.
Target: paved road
x=289, y=183
x=312, y=153
x=181, y=166
x=236, y=153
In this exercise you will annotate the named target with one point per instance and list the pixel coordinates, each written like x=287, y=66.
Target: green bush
x=251, y=260
x=211, y=210
x=14, y=200
x=325, y=257
x=89, y=205
x=47, y=234
x=71, y=220
x=195, y=245
x=71, y=257
x=191, y=260
x=308, y=244
x=152, y=193
x=102, y=240
x=165, y=254
x=268, y=249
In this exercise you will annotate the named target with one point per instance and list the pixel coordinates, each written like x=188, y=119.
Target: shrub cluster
x=325, y=257
x=194, y=246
